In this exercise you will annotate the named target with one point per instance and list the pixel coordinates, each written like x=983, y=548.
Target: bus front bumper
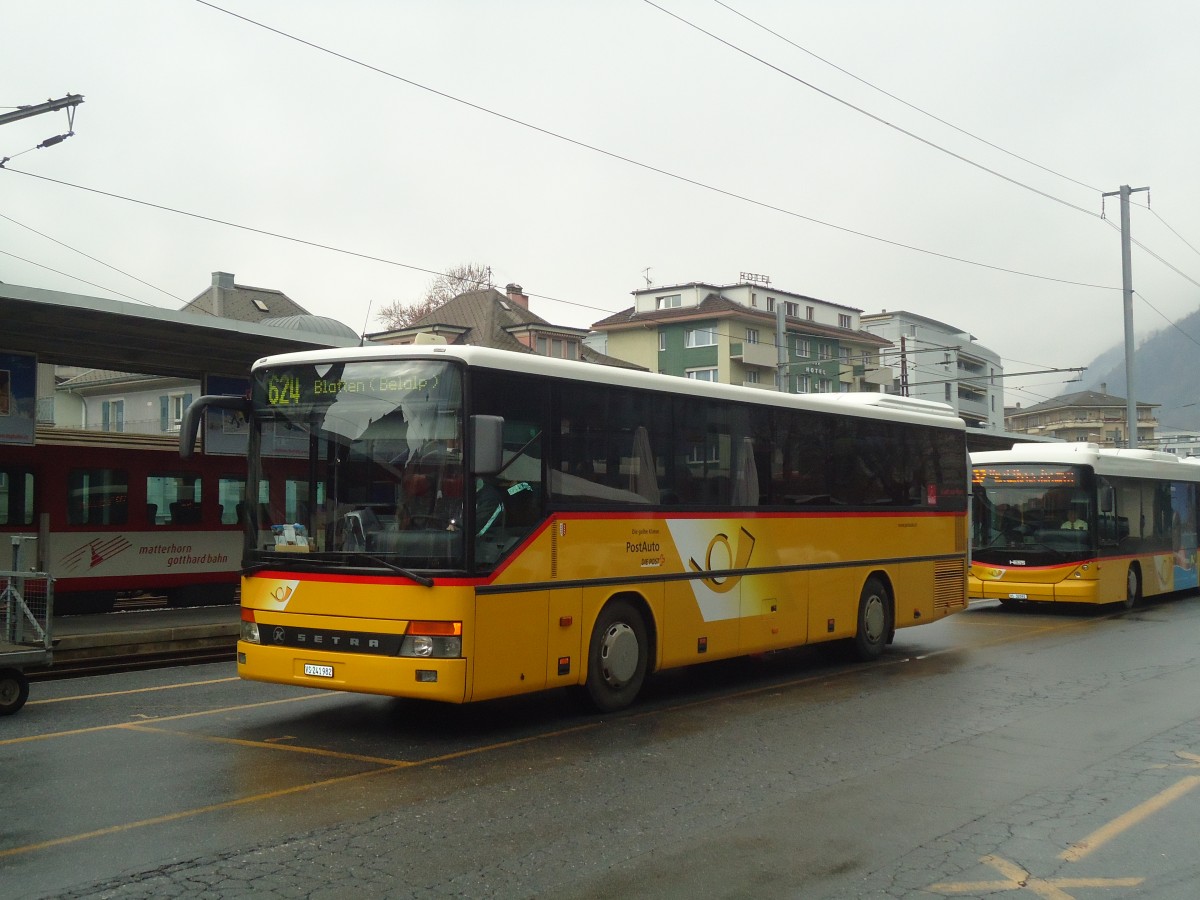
x=392, y=676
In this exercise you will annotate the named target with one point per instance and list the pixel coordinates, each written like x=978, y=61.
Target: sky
x=946, y=158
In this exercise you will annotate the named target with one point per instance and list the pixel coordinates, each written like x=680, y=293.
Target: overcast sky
x=573, y=145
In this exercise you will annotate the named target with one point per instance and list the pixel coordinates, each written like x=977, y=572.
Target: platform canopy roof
x=77, y=330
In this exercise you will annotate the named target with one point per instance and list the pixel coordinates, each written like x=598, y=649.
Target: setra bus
x=1074, y=523
x=117, y=514
x=476, y=523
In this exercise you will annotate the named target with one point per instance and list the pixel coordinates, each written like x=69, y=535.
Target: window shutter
x=164, y=413
x=104, y=412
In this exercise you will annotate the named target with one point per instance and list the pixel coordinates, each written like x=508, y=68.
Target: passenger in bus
x=1073, y=522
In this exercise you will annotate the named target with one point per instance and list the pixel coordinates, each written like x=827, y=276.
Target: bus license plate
x=318, y=671
x=1010, y=597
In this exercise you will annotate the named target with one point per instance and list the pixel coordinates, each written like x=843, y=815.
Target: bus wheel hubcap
x=619, y=654
x=873, y=619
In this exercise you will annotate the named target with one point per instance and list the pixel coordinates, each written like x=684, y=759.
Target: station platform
x=126, y=635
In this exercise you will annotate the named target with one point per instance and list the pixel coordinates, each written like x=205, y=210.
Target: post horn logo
x=721, y=584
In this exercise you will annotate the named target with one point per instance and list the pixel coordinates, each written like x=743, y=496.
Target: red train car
x=120, y=514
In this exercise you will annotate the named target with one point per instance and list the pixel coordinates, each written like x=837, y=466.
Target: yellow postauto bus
x=1074, y=523
x=460, y=523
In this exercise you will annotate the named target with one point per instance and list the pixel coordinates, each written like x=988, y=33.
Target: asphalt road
x=1023, y=754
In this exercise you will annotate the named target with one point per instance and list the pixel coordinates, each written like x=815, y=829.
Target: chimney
x=222, y=282
x=517, y=295
x=1104, y=387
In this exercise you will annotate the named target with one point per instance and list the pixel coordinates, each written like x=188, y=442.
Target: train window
x=231, y=493
x=296, y=500
x=173, y=499
x=97, y=497
x=16, y=497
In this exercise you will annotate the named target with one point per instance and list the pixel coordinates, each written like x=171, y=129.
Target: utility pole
x=1127, y=290
x=782, y=375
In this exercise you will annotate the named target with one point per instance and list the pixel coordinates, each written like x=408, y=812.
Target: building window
x=810, y=313
x=751, y=335
x=543, y=346
x=844, y=355
x=662, y=341
x=770, y=304
x=702, y=374
x=803, y=348
x=947, y=392
x=843, y=321
x=824, y=351
x=112, y=415
x=791, y=309
x=825, y=386
x=170, y=411
x=670, y=301
x=754, y=299
x=700, y=337
x=752, y=376
x=802, y=384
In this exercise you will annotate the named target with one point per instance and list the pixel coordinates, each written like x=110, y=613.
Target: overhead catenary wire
x=92, y=258
x=647, y=166
x=871, y=115
x=901, y=100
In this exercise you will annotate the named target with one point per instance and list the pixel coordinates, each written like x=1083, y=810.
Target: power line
x=646, y=166
x=1173, y=268
x=75, y=278
x=870, y=115
x=92, y=258
x=901, y=100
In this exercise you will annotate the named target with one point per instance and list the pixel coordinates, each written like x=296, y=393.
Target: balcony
x=763, y=355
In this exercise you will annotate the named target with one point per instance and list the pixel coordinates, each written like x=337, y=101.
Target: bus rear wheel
x=14, y=691
x=874, y=620
x=618, y=656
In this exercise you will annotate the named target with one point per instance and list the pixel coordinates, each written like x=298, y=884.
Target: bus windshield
x=358, y=464
x=1042, y=512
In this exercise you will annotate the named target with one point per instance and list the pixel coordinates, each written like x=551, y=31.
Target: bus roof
x=874, y=406
x=1104, y=460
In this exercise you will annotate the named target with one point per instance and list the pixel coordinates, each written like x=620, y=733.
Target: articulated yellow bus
x=460, y=523
x=1073, y=523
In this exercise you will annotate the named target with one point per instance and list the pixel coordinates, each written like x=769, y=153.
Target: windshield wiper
x=305, y=562
x=419, y=579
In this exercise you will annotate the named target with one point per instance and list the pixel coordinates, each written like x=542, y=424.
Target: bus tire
x=618, y=656
x=874, y=620
x=1133, y=588
x=14, y=691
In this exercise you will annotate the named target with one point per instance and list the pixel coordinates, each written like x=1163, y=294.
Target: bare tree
x=454, y=281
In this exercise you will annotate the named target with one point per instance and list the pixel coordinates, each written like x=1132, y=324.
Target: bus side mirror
x=189, y=427
x=1106, y=500
x=487, y=444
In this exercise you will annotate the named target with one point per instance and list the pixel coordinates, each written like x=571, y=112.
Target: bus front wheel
x=618, y=656
x=1133, y=588
x=874, y=620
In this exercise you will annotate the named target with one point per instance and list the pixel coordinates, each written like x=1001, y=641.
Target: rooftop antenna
x=646, y=275
x=362, y=340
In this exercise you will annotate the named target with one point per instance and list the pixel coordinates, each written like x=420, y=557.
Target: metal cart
x=26, y=604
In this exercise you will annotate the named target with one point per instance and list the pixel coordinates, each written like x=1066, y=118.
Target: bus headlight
x=249, y=627
x=432, y=640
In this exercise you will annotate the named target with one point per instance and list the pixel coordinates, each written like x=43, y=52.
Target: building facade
x=935, y=361
x=731, y=334
x=1095, y=417
x=502, y=321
